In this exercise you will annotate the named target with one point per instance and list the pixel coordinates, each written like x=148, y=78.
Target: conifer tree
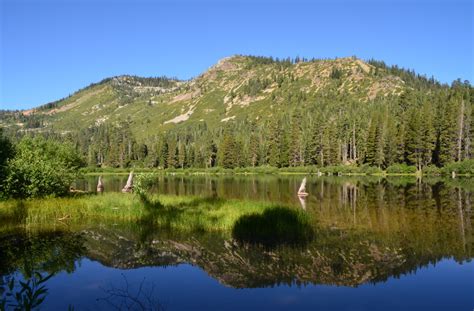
x=273, y=156
x=228, y=151
x=295, y=149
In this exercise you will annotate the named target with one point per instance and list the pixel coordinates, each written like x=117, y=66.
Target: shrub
x=401, y=169
x=431, y=170
x=6, y=152
x=41, y=168
x=463, y=167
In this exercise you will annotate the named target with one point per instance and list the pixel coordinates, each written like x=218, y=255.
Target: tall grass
x=185, y=213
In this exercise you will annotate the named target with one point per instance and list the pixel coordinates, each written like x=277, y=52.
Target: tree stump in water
x=302, y=190
x=100, y=185
x=128, y=187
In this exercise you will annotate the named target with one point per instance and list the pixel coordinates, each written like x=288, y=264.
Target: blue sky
x=51, y=48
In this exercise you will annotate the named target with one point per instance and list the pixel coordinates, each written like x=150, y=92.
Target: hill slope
x=325, y=107
x=236, y=87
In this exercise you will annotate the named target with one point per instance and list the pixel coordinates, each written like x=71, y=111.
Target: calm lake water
x=380, y=244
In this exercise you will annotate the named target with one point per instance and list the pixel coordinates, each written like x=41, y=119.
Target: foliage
x=463, y=167
x=336, y=73
x=261, y=111
x=401, y=169
x=143, y=182
x=6, y=152
x=31, y=295
x=41, y=167
x=431, y=170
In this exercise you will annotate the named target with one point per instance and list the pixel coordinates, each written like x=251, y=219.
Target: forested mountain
x=253, y=111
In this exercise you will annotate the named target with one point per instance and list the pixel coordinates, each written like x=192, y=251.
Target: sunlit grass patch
x=187, y=213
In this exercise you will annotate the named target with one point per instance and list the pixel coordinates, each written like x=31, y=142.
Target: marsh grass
x=184, y=213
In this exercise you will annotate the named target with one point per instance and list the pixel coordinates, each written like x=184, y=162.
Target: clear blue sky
x=51, y=48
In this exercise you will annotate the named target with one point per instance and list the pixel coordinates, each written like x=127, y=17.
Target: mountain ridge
x=319, y=70
x=279, y=112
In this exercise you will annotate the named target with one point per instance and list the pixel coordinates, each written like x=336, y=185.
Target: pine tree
x=400, y=143
x=253, y=146
x=228, y=151
x=447, y=132
x=295, y=156
x=375, y=142
x=390, y=150
x=273, y=156
x=420, y=136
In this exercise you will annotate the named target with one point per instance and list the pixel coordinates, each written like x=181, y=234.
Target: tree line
x=428, y=124
x=416, y=128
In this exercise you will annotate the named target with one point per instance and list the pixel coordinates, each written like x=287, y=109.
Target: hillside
x=236, y=87
x=333, y=102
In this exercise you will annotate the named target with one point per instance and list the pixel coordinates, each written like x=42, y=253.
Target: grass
x=185, y=213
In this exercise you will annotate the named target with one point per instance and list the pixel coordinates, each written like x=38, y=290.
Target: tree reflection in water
x=27, y=262
x=365, y=230
x=129, y=297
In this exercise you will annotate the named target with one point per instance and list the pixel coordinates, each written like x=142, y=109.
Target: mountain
x=246, y=95
x=236, y=87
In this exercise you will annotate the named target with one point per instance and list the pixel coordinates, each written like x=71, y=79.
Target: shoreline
x=237, y=172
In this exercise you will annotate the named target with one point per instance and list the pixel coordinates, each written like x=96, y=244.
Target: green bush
x=6, y=152
x=401, y=169
x=463, y=167
x=432, y=170
x=41, y=168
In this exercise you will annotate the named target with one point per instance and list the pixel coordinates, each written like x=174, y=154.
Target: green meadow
x=183, y=213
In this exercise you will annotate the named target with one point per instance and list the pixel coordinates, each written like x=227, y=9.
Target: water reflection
x=363, y=230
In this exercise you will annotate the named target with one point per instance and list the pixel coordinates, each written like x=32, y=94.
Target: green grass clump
x=110, y=206
x=187, y=213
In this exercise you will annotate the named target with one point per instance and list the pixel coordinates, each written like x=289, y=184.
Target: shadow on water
x=276, y=226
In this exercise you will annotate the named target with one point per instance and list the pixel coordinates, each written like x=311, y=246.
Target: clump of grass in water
x=184, y=213
x=275, y=226
x=200, y=213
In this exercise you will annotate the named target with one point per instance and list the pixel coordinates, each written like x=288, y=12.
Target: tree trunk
x=344, y=152
x=128, y=187
x=354, y=149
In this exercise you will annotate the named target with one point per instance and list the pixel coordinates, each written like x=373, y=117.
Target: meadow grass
x=184, y=213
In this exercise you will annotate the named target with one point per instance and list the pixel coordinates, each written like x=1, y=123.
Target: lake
x=396, y=243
